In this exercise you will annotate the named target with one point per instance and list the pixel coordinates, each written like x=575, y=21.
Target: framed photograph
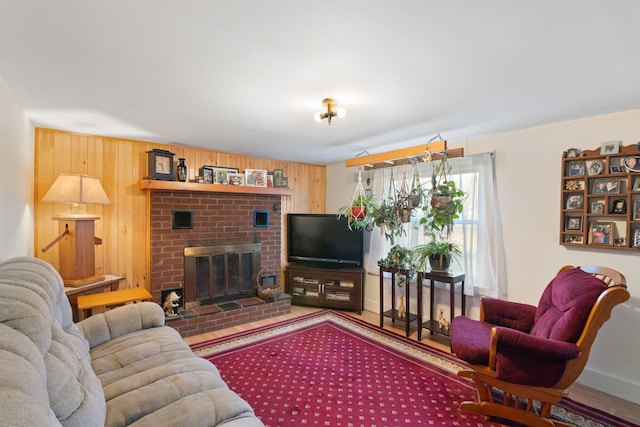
x=601, y=233
x=595, y=167
x=573, y=239
x=619, y=241
x=235, y=178
x=278, y=173
x=597, y=207
x=610, y=147
x=284, y=182
x=636, y=210
x=270, y=180
x=573, y=223
x=618, y=207
x=606, y=186
x=574, y=184
x=636, y=184
x=574, y=201
x=255, y=177
x=613, y=169
x=207, y=173
x=221, y=174
x=632, y=163
x=576, y=168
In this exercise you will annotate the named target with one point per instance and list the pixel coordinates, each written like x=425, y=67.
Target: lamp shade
x=76, y=189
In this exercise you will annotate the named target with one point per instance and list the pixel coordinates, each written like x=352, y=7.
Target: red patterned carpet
x=329, y=369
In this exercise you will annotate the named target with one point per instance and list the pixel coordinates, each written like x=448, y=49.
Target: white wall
x=528, y=171
x=16, y=178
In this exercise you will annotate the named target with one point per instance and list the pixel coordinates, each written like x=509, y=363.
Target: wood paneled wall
x=120, y=164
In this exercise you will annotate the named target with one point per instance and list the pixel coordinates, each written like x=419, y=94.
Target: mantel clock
x=160, y=165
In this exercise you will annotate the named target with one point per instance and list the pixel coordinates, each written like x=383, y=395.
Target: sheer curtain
x=478, y=232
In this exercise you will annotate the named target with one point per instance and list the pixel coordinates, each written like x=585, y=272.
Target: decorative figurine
x=401, y=310
x=170, y=304
x=442, y=322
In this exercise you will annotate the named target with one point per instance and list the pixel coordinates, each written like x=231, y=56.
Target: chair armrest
x=532, y=347
x=509, y=314
x=103, y=327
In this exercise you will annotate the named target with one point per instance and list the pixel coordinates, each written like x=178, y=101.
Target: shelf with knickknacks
x=600, y=196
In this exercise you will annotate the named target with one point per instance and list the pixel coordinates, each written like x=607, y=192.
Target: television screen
x=324, y=240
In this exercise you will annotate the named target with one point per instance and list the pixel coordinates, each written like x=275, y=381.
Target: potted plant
x=386, y=217
x=400, y=258
x=446, y=202
x=358, y=212
x=437, y=254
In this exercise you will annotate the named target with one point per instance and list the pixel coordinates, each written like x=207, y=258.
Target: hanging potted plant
x=358, y=212
x=359, y=209
x=385, y=216
x=446, y=202
x=416, y=193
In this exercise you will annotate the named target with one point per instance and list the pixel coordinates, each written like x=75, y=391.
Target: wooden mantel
x=151, y=184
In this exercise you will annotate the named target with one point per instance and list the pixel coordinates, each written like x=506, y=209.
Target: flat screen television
x=323, y=240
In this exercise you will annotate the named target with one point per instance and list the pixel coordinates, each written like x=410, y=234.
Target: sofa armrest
x=103, y=327
x=509, y=314
x=533, y=347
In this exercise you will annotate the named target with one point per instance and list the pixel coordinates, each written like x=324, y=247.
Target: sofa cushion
x=565, y=305
x=33, y=304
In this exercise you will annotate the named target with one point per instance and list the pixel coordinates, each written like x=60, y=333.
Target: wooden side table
x=444, y=277
x=393, y=313
x=109, y=283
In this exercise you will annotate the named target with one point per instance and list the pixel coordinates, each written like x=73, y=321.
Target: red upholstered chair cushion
x=565, y=305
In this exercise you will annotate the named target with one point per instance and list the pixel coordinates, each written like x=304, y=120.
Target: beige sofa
x=120, y=368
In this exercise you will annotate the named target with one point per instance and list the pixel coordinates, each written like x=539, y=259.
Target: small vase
x=181, y=170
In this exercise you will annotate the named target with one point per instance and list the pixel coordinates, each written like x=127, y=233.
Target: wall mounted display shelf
x=150, y=184
x=600, y=198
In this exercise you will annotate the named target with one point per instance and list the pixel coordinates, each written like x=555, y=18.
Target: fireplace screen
x=220, y=273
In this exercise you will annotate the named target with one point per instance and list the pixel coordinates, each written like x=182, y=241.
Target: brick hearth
x=219, y=316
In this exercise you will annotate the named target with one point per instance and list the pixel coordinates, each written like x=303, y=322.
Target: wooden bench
x=103, y=300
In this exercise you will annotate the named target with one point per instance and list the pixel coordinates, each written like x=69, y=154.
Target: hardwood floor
x=588, y=396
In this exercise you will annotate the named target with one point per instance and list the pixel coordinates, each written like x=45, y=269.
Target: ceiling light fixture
x=332, y=110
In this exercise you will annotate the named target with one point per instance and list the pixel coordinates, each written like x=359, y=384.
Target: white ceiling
x=246, y=76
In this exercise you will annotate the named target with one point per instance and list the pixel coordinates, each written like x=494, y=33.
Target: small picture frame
x=574, y=185
x=618, y=207
x=573, y=223
x=597, y=207
x=255, y=177
x=270, y=180
x=574, y=201
x=221, y=174
x=632, y=163
x=576, y=168
x=595, y=167
x=207, y=173
x=278, y=173
x=572, y=238
x=614, y=169
x=636, y=184
x=610, y=147
x=606, y=186
x=619, y=241
x=234, y=178
x=601, y=233
x=636, y=210
x=284, y=182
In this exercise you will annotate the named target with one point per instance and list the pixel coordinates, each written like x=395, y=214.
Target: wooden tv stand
x=325, y=287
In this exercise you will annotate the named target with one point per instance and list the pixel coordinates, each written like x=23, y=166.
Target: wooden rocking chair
x=523, y=358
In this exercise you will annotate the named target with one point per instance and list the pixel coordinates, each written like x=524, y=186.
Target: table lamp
x=77, y=238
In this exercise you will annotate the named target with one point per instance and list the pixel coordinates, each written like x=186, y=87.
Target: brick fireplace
x=218, y=220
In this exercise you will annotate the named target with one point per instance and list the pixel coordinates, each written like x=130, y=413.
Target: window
x=478, y=232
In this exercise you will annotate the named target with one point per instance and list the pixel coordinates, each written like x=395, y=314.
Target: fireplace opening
x=216, y=274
